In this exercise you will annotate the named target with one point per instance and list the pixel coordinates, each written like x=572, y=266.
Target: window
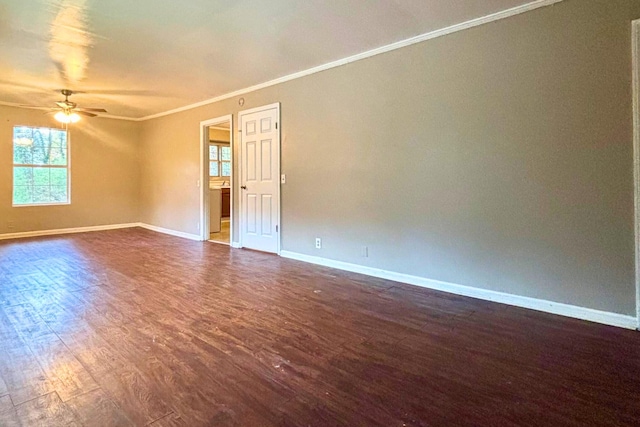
x=219, y=160
x=40, y=166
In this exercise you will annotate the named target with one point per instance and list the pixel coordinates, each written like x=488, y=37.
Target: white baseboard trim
x=170, y=232
x=236, y=245
x=39, y=233
x=582, y=313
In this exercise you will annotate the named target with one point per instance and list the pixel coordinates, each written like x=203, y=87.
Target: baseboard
x=59, y=231
x=170, y=232
x=583, y=313
x=236, y=245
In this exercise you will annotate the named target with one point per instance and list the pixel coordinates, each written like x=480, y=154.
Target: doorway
x=216, y=199
x=259, y=176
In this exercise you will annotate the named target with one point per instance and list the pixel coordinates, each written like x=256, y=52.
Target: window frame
x=33, y=166
x=220, y=145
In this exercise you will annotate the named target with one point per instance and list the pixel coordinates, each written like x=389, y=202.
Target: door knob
x=244, y=187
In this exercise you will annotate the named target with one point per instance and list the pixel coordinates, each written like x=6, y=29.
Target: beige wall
x=105, y=174
x=498, y=157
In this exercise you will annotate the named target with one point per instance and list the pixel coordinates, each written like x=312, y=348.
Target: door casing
x=635, y=43
x=204, y=176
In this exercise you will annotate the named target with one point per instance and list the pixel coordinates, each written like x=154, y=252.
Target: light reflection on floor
x=224, y=236
x=43, y=279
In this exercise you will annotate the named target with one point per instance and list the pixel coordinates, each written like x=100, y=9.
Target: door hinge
x=276, y=125
x=276, y=228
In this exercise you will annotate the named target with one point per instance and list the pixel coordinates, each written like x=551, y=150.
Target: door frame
x=204, y=175
x=635, y=43
x=241, y=215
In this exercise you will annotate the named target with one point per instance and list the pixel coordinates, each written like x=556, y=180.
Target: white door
x=260, y=178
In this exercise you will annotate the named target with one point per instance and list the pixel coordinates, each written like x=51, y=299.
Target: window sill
x=40, y=204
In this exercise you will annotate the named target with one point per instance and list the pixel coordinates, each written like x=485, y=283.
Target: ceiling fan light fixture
x=67, y=117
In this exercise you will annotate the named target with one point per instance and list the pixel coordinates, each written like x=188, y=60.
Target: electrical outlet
x=365, y=252
x=318, y=243
x=10, y=225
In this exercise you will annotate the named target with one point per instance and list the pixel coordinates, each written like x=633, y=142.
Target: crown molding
x=507, y=13
x=368, y=54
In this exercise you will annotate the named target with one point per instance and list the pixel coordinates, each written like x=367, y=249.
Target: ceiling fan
x=68, y=111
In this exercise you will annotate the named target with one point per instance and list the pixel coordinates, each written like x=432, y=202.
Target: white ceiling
x=142, y=57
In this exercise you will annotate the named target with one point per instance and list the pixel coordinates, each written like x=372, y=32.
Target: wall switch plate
x=318, y=243
x=283, y=179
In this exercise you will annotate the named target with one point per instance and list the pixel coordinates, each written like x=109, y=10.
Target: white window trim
x=219, y=144
x=68, y=167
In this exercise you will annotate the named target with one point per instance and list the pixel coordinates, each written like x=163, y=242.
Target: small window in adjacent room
x=40, y=166
x=219, y=160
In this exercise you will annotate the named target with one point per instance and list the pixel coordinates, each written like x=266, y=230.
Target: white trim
x=236, y=245
x=220, y=128
x=69, y=162
x=169, y=231
x=536, y=4
x=635, y=42
x=60, y=231
x=242, y=113
x=39, y=205
x=368, y=54
x=607, y=318
x=204, y=177
x=67, y=167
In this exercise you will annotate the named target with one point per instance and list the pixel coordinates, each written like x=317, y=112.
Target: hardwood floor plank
x=59, y=364
x=26, y=322
x=33, y=388
x=5, y=403
x=47, y=410
x=171, y=420
x=96, y=409
x=3, y=386
x=20, y=373
x=130, y=391
x=131, y=327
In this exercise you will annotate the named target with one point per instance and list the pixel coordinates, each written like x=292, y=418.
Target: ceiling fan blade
x=93, y=110
x=25, y=86
x=119, y=92
x=35, y=107
x=85, y=113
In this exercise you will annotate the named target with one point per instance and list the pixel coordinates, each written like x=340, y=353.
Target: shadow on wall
x=101, y=136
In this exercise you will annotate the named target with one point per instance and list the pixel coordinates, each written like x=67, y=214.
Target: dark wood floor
x=131, y=327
